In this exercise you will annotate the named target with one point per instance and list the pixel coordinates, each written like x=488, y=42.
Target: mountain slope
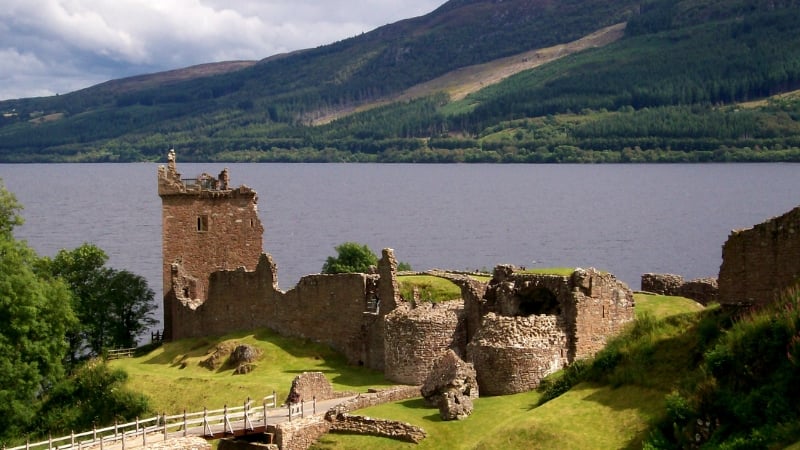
x=685, y=58
x=299, y=86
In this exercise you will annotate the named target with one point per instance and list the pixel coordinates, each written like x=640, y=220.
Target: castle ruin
x=760, y=262
x=516, y=329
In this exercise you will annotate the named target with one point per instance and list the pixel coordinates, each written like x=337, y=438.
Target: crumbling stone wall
x=760, y=262
x=603, y=306
x=513, y=354
x=330, y=309
x=300, y=434
x=312, y=385
x=415, y=338
x=702, y=290
x=661, y=283
x=534, y=324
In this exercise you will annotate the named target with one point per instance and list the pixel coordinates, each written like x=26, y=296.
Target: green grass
x=561, y=271
x=173, y=378
x=431, y=288
x=662, y=306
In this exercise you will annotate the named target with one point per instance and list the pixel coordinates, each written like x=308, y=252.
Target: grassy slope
x=587, y=416
x=172, y=377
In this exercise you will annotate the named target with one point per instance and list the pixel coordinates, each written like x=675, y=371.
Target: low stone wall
x=373, y=398
x=300, y=434
x=661, y=283
x=701, y=290
x=234, y=444
x=401, y=431
x=184, y=443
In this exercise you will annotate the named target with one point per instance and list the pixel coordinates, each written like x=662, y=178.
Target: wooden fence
x=121, y=353
x=209, y=424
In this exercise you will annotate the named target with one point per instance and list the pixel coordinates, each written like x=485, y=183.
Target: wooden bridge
x=225, y=422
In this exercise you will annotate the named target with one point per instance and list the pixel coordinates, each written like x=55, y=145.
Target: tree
x=131, y=307
x=103, y=399
x=113, y=306
x=352, y=257
x=35, y=314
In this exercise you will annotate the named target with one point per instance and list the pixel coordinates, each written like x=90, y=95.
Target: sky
x=50, y=47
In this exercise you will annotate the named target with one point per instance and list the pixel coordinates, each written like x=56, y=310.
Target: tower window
x=202, y=223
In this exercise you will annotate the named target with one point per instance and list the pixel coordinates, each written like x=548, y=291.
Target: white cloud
x=56, y=46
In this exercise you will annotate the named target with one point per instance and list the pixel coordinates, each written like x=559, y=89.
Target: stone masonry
x=759, y=263
x=207, y=226
x=702, y=290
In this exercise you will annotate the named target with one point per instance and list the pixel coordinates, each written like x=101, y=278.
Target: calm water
x=626, y=219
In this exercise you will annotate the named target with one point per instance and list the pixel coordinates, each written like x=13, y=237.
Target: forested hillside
x=672, y=89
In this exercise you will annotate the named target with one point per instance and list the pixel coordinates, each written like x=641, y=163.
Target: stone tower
x=206, y=226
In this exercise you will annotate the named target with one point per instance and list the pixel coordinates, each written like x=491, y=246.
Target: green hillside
x=668, y=90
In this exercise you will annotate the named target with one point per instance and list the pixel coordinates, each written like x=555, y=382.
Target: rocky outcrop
x=451, y=385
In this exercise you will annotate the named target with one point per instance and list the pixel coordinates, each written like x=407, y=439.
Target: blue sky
x=52, y=47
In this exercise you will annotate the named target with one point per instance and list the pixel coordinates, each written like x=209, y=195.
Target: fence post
x=115, y=428
x=274, y=399
x=27, y=443
x=302, y=409
x=50, y=441
x=164, y=422
x=72, y=438
x=185, y=431
x=264, y=412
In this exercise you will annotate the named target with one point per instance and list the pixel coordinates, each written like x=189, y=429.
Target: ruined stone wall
x=300, y=434
x=330, y=309
x=760, y=262
x=661, y=283
x=513, y=354
x=603, y=306
x=206, y=226
x=415, y=338
x=701, y=290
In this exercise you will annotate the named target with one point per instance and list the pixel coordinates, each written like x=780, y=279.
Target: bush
x=352, y=257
